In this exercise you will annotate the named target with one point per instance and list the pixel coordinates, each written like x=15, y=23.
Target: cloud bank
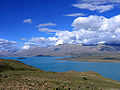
x=99, y=5
x=87, y=30
x=7, y=45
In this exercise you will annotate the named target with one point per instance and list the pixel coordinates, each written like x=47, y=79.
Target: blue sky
x=19, y=20
x=40, y=11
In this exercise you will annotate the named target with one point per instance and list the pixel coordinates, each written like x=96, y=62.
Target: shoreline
x=91, y=60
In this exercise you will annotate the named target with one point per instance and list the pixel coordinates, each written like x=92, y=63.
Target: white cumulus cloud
x=99, y=5
x=46, y=24
x=26, y=47
x=41, y=41
x=89, y=23
x=75, y=14
x=92, y=30
x=29, y=21
x=47, y=30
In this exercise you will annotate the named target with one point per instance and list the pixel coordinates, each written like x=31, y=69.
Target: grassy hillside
x=14, y=65
x=15, y=75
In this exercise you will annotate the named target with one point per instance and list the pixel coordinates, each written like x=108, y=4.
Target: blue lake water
x=109, y=70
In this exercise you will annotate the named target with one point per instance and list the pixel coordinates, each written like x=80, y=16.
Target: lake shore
x=91, y=60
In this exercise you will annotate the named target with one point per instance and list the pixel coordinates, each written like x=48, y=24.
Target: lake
x=109, y=70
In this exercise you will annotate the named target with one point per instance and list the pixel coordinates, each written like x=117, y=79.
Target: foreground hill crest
x=16, y=75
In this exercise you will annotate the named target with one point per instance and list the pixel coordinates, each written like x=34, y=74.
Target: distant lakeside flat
x=89, y=59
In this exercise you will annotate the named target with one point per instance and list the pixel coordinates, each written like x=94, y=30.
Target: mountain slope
x=65, y=50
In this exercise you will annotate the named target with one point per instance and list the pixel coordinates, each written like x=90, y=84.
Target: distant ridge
x=64, y=50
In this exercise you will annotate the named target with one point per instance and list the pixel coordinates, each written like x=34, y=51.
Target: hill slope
x=16, y=75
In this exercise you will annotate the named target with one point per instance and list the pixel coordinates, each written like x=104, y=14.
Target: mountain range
x=63, y=50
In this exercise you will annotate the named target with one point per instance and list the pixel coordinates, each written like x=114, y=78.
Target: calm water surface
x=109, y=70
